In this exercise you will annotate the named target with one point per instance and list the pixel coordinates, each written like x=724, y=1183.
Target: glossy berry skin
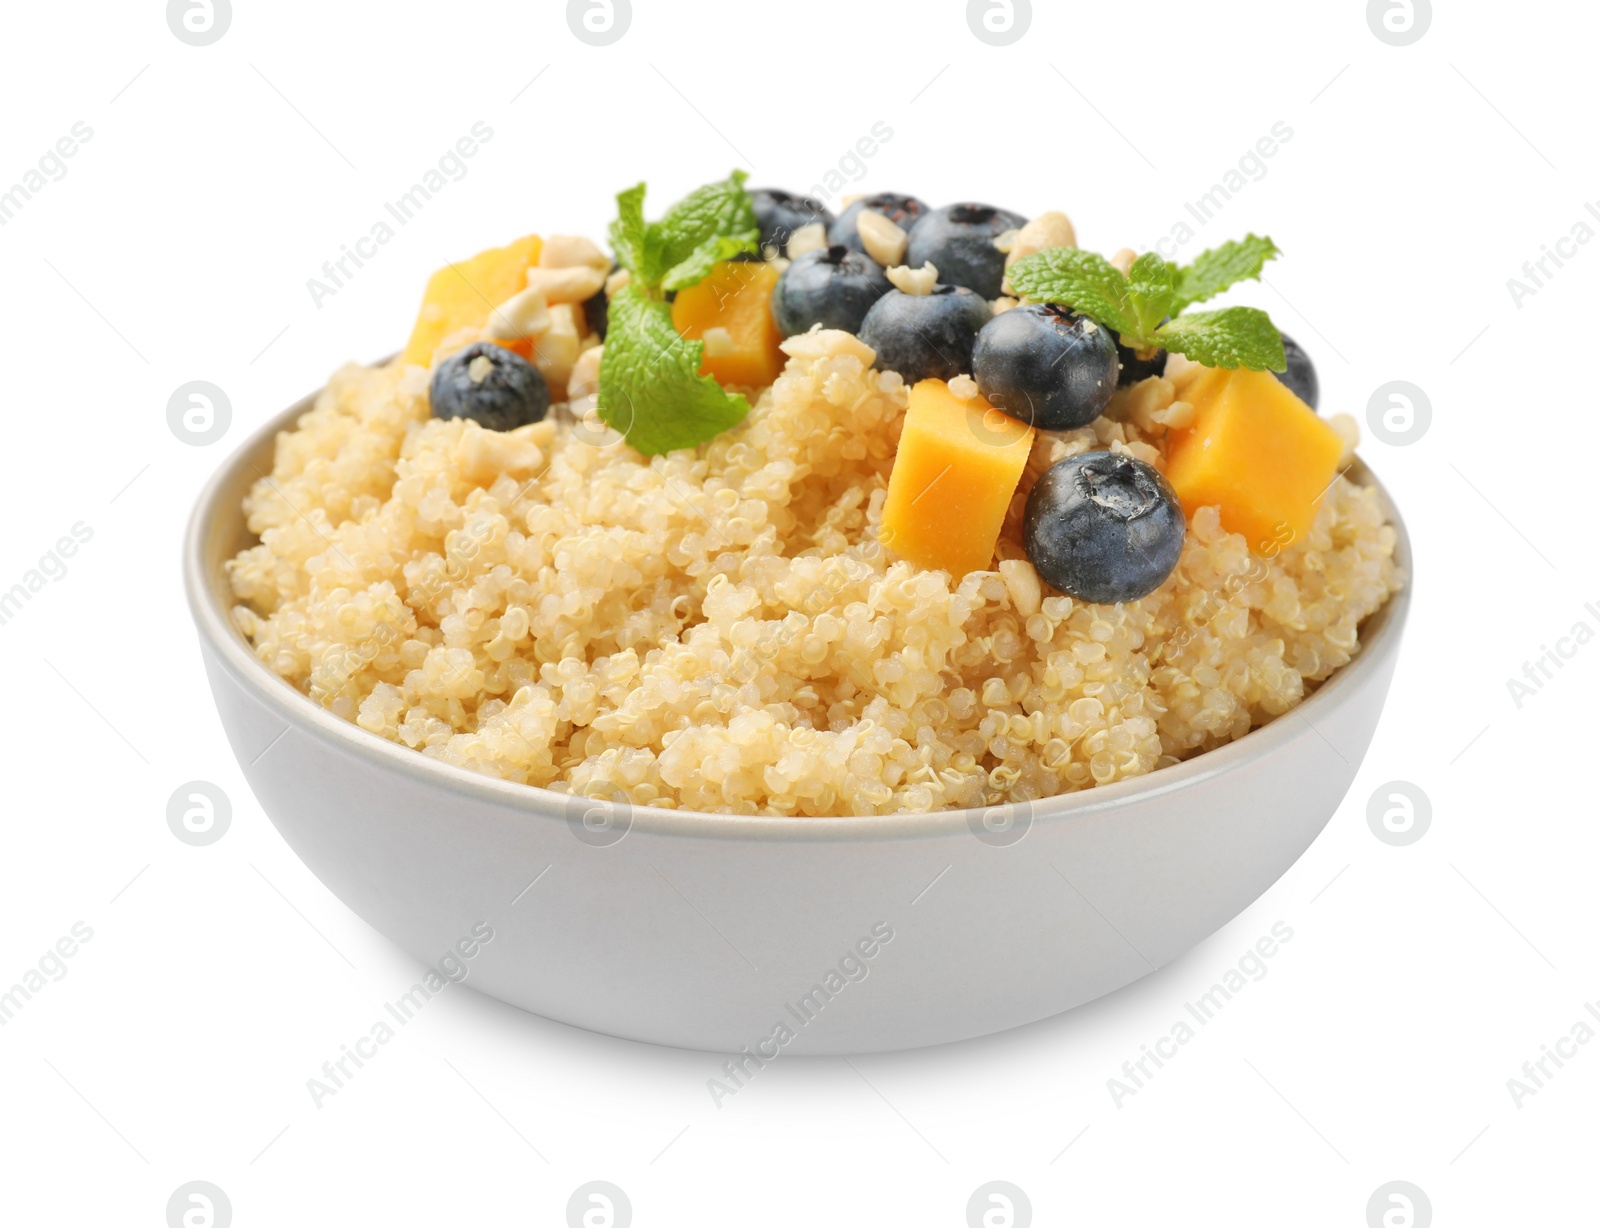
x=511, y=393
x=780, y=214
x=1045, y=365
x=1301, y=377
x=959, y=241
x=1103, y=527
x=1133, y=368
x=925, y=336
x=903, y=211
x=832, y=286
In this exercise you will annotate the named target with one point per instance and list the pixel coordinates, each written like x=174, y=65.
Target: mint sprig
x=651, y=388
x=1154, y=290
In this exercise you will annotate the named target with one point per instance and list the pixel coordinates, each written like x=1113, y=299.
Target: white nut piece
x=1004, y=303
x=484, y=455
x=555, y=351
x=964, y=387
x=573, y=285
x=585, y=377
x=1023, y=584
x=1179, y=416
x=572, y=252
x=1053, y=229
x=1182, y=371
x=808, y=238
x=524, y=314
x=718, y=343
x=883, y=240
x=914, y=281
x=1143, y=401
x=1123, y=260
x=616, y=282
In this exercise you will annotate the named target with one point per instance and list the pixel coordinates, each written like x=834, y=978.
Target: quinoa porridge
x=751, y=623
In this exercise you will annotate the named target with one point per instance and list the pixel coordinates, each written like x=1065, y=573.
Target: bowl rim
x=1381, y=634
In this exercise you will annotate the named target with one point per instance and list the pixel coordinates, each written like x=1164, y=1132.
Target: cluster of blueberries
x=1043, y=363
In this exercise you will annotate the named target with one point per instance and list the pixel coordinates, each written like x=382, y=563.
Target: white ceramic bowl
x=719, y=932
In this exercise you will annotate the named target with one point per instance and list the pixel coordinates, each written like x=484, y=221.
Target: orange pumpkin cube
x=958, y=465
x=462, y=295
x=1256, y=451
x=737, y=298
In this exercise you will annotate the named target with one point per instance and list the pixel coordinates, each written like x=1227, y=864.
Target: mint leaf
x=1152, y=285
x=629, y=233
x=722, y=208
x=651, y=388
x=1230, y=338
x=1082, y=280
x=699, y=262
x=1215, y=270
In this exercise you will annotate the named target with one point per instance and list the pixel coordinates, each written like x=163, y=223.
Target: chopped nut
x=1123, y=260
x=1022, y=583
x=1053, y=229
x=571, y=252
x=1006, y=240
x=883, y=240
x=585, y=377
x=524, y=314
x=914, y=281
x=569, y=285
x=616, y=282
x=1142, y=401
x=1179, y=416
x=718, y=342
x=846, y=201
x=480, y=368
x=1183, y=371
x=807, y=238
x=556, y=349
x=964, y=386
x=484, y=455
x=1003, y=303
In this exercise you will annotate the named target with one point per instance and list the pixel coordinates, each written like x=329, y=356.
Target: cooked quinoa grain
x=718, y=629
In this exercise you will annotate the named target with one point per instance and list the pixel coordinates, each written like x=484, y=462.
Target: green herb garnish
x=1154, y=290
x=651, y=388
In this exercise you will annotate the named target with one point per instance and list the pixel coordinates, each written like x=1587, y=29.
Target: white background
x=219, y=979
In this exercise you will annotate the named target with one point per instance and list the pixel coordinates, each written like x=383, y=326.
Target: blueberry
x=925, y=336
x=491, y=385
x=1301, y=377
x=1045, y=365
x=1103, y=527
x=959, y=240
x=780, y=214
x=903, y=211
x=1136, y=365
x=832, y=286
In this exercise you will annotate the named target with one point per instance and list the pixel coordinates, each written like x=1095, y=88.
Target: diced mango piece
x=462, y=295
x=736, y=298
x=1256, y=451
x=958, y=466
